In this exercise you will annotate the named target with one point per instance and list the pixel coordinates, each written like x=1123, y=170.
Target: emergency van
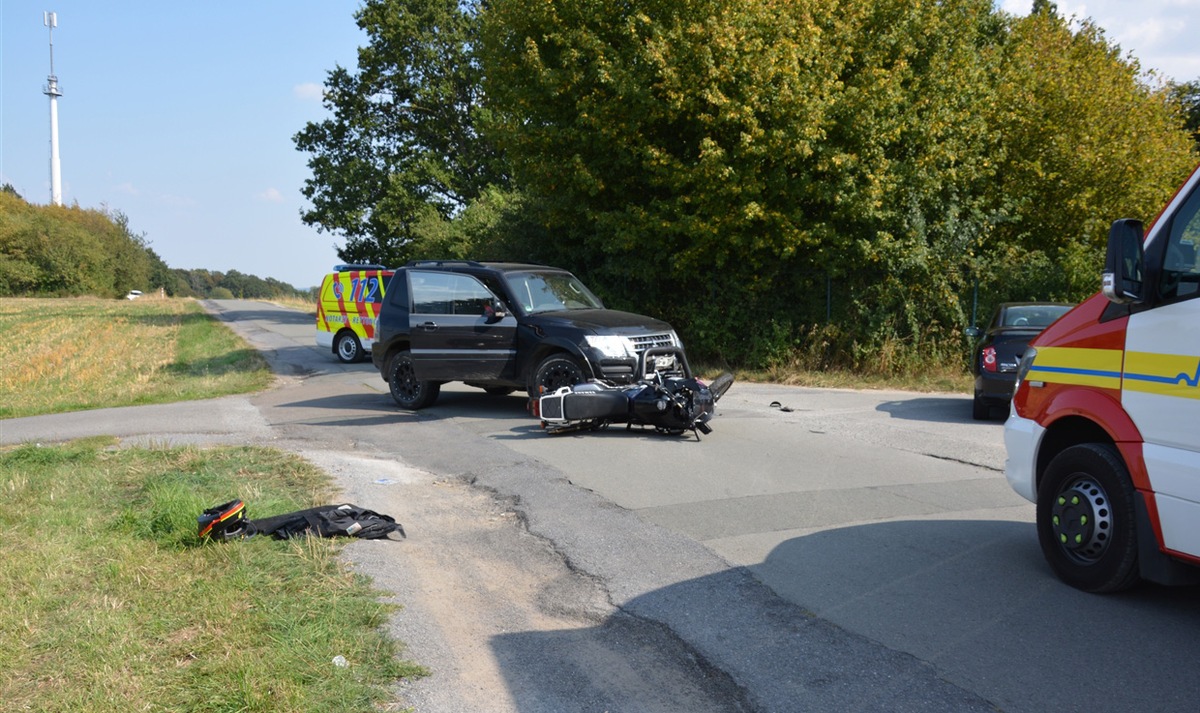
x=347, y=308
x=1104, y=429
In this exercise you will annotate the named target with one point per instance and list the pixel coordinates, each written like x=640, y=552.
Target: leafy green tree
x=1085, y=140
x=404, y=141
x=748, y=149
x=661, y=139
x=1186, y=97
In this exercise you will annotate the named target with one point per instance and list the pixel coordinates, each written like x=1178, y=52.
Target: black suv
x=502, y=327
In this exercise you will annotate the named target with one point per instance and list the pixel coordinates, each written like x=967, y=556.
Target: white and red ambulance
x=1104, y=429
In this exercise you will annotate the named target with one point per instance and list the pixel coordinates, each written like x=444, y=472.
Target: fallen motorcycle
x=667, y=398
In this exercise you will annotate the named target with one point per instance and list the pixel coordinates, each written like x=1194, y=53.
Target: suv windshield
x=550, y=292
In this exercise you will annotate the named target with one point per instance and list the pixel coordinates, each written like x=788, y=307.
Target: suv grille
x=651, y=341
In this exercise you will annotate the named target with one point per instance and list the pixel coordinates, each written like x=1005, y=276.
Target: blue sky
x=181, y=115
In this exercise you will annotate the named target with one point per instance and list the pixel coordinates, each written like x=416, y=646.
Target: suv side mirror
x=1124, y=262
x=494, y=312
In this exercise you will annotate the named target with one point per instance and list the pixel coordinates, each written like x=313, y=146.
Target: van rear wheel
x=347, y=347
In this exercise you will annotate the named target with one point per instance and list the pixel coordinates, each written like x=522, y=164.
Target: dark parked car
x=503, y=327
x=995, y=358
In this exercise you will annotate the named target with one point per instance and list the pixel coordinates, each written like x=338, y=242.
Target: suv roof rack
x=440, y=263
x=358, y=266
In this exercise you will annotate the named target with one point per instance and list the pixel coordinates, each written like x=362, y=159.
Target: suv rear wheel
x=554, y=372
x=408, y=391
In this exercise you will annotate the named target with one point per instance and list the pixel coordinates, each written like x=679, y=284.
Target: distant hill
x=68, y=251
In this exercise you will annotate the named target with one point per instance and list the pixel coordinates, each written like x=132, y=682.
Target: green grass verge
x=109, y=602
x=86, y=353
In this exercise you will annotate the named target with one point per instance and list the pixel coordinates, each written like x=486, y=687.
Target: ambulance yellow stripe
x=1163, y=374
x=1100, y=368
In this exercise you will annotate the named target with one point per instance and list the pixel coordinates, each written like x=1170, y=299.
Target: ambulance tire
x=407, y=391
x=1086, y=521
x=347, y=347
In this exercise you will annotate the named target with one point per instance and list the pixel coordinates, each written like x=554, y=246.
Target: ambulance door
x=1161, y=379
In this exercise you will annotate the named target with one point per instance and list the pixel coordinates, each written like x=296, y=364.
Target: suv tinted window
x=448, y=293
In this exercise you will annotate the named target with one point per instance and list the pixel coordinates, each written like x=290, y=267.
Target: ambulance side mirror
x=1124, y=263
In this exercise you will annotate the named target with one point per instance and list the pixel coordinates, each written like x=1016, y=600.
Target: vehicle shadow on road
x=923, y=615
x=935, y=409
x=977, y=600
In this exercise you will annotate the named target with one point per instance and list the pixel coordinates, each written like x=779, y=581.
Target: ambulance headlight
x=611, y=345
x=1026, y=364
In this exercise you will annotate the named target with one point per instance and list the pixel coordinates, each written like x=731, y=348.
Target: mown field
x=73, y=354
x=109, y=602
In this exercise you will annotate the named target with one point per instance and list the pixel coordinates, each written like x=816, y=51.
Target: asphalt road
x=844, y=550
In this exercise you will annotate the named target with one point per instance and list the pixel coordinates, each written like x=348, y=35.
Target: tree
x=404, y=142
x=1085, y=140
x=686, y=149
x=1186, y=97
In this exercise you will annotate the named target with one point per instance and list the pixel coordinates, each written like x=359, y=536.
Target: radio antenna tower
x=50, y=20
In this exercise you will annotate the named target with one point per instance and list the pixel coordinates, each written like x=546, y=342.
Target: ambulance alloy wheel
x=1085, y=519
x=408, y=392
x=349, y=349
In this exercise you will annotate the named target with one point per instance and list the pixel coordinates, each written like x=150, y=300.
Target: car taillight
x=988, y=359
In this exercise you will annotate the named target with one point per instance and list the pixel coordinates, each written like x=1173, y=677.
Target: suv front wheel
x=554, y=372
x=408, y=391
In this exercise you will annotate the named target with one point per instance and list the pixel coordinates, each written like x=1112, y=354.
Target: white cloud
x=127, y=188
x=309, y=91
x=271, y=195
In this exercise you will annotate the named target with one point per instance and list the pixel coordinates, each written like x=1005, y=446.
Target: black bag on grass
x=228, y=521
x=329, y=521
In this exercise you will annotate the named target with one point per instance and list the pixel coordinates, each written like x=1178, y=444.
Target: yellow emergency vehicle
x=347, y=307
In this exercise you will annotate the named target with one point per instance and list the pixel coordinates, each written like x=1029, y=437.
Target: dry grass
x=300, y=303
x=82, y=353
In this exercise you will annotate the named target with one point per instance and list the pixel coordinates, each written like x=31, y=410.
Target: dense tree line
x=70, y=251
x=826, y=179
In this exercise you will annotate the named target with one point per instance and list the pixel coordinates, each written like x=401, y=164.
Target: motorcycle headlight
x=610, y=345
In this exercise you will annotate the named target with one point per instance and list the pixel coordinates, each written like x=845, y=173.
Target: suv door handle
x=429, y=326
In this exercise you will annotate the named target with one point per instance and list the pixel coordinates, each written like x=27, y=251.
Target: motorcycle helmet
x=227, y=521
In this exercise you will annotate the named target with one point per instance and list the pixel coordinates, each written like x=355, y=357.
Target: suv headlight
x=611, y=345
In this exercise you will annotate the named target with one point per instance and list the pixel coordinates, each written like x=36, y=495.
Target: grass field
x=85, y=353
x=108, y=600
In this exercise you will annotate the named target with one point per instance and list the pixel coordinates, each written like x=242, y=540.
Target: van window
x=1180, y=274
